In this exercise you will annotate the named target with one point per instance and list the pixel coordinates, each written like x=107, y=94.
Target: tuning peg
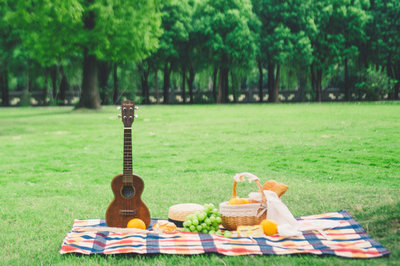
x=119, y=108
x=136, y=116
x=136, y=107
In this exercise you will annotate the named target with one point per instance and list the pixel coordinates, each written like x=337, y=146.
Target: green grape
x=188, y=223
x=195, y=222
x=201, y=216
x=227, y=234
x=199, y=228
x=209, y=210
x=207, y=221
x=212, y=218
x=219, y=232
x=212, y=232
x=192, y=228
x=205, y=231
x=219, y=220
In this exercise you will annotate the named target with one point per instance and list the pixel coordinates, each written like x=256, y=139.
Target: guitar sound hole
x=128, y=191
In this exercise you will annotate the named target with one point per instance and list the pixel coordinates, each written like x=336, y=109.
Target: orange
x=136, y=223
x=269, y=227
x=237, y=201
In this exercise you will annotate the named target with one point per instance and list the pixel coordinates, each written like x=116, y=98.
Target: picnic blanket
x=347, y=240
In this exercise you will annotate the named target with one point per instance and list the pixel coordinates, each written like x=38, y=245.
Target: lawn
x=56, y=165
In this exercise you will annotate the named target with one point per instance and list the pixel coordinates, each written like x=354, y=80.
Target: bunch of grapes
x=205, y=221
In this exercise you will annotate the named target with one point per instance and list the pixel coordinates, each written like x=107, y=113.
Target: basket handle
x=240, y=177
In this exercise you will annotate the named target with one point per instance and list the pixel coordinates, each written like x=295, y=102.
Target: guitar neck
x=127, y=156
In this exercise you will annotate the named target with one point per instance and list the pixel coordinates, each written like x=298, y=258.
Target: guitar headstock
x=128, y=112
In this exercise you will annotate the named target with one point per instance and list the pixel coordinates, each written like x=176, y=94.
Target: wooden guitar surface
x=127, y=187
x=122, y=209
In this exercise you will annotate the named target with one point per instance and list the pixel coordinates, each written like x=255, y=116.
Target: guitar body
x=127, y=203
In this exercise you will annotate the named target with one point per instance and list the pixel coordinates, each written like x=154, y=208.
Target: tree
x=386, y=39
x=340, y=30
x=351, y=20
x=99, y=30
x=8, y=42
x=228, y=34
x=176, y=18
x=283, y=38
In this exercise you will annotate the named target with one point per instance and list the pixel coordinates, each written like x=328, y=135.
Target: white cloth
x=288, y=226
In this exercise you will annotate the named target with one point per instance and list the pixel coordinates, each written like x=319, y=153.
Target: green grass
x=56, y=165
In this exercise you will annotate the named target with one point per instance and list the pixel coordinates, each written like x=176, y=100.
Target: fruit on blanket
x=238, y=201
x=136, y=223
x=204, y=221
x=269, y=227
x=227, y=234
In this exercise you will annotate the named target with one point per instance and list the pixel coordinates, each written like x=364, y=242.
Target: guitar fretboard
x=127, y=156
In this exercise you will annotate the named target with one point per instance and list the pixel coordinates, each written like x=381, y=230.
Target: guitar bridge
x=127, y=212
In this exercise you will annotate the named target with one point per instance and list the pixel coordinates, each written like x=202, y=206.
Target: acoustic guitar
x=127, y=187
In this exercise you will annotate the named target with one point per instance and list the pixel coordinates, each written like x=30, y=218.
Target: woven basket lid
x=179, y=212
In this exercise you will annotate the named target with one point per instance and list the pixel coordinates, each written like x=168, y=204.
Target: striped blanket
x=347, y=240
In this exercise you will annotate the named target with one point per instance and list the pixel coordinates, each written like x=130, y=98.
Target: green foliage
x=285, y=31
x=54, y=30
x=226, y=31
x=385, y=31
x=176, y=25
x=197, y=37
x=373, y=84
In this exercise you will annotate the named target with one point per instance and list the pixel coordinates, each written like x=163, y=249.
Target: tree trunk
x=276, y=84
x=225, y=77
x=167, y=73
x=318, y=94
x=192, y=75
x=219, y=97
x=183, y=83
x=25, y=97
x=90, y=92
x=346, y=81
x=4, y=86
x=115, y=84
x=144, y=70
x=313, y=82
x=271, y=82
x=397, y=85
x=302, y=84
x=104, y=73
x=53, y=77
x=234, y=84
x=64, y=86
x=90, y=97
x=214, y=88
x=156, y=85
x=260, y=81
x=46, y=83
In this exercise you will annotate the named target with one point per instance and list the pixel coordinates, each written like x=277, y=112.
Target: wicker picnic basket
x=243, y=214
